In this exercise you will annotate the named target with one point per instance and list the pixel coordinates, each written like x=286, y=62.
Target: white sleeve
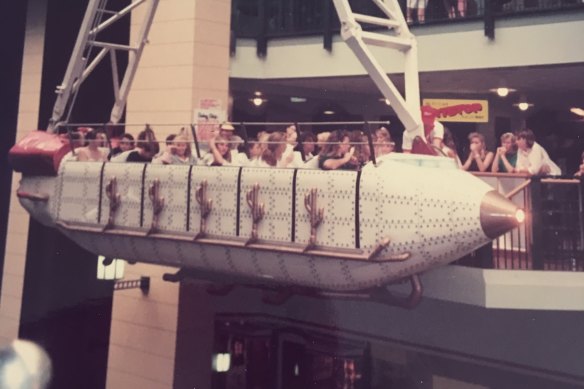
x=239, y=159
x=408, y=141
x=207, y=159
x=536, y=159
x=297, y=161
x=438, y=131
x=554, y=169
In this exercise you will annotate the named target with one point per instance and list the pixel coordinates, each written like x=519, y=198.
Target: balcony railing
x=267, y=19
x=552, y=236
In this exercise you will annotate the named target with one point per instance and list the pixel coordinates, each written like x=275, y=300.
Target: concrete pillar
x=186, y=60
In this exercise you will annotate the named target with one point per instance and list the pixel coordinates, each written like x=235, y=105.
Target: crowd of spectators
x=340, y=149
x=518, y=153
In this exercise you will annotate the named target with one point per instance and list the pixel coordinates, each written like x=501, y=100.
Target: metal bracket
x=316, y=216
x=205, y=205
x=257, y=211
x=143, y=283
x=111, y=191
x=157, y=205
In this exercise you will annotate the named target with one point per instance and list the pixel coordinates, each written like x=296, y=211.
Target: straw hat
x=227, y=126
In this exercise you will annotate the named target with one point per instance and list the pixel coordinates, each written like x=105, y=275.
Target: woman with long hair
x=220, y=151
x=181, y=153
x=479, y=159
x=274, y=149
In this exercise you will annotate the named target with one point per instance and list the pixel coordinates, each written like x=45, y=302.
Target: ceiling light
x=257, y=101
x=257, y=93
x=577, y=111
x=384, y=100
x=502, y=91
x=298, y=99
x=328, y=112
x=523, y=106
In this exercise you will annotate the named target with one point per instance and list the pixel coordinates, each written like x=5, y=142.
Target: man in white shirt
x=532, y=158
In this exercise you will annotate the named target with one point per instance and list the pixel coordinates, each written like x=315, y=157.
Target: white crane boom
x=407, y=108
x=85, y=59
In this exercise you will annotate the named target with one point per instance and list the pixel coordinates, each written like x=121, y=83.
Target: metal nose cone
x=499, y=215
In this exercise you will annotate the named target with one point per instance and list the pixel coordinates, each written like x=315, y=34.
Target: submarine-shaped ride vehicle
x=333, y=231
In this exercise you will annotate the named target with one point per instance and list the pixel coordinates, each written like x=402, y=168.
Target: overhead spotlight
x=257, y=93
x=577, y=111
x=257, y=101
x=329, y=112
x=523, y=105
x=386, y=101
x=502, y=91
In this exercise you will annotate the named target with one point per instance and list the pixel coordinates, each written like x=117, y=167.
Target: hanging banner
x=208, y=115
x=475, y=111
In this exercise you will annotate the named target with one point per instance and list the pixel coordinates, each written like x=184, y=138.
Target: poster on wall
x=477, y=111
x=208, y=115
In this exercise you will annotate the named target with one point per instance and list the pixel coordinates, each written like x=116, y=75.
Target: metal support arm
x=84, y=58
x=408, y=108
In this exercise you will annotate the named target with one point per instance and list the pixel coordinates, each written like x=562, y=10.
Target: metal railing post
x=327, y=39
x=489, y=19
x=537, y=247
x=581, y=213
x=262, y=39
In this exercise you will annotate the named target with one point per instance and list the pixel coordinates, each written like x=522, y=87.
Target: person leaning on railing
x=532, y=158
x=580, y=171
x=506, y=155
x=479, y=159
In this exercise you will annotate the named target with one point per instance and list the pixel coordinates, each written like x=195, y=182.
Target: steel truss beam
x=84, y=58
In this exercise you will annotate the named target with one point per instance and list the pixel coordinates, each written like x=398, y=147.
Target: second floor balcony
x=269, y=19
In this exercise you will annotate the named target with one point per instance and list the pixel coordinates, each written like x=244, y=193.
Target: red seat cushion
x=39, y=154
x=421, y=147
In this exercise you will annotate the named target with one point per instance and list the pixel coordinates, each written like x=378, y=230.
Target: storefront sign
x=475, y=111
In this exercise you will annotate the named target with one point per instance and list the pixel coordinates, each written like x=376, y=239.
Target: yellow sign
x=453, y=110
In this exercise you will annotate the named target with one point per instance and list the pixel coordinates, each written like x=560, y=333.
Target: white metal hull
x=429, y=213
